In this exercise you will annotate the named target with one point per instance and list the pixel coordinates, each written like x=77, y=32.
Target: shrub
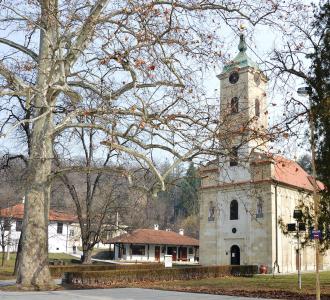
x=59, y=270
x=101, y=278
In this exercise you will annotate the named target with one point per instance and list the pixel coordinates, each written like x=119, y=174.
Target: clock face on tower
x=233, y=77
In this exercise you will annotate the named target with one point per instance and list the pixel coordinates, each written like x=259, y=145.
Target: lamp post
x=305, y=91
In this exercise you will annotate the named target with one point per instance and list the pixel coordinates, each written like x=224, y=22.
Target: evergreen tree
x=320, y=91
x=319, y=82
x=189, y=187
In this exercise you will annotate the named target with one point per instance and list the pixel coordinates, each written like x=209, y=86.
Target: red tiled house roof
x=17, y=212
x=154, y=237
x=291, y=173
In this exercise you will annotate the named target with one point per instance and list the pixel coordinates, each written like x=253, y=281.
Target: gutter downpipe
x=276, y=235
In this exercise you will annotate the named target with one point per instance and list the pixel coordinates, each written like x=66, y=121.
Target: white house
x=150, y=245
x=63, y=229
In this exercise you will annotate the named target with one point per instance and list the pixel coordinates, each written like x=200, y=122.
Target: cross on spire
x=242, y=47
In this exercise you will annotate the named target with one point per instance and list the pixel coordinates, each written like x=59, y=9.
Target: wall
x=63, y=243
x=57, y=243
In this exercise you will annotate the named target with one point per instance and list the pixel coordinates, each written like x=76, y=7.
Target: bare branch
x=21, y=48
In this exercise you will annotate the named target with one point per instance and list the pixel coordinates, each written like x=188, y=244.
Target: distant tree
x=311, y=40
x=5, y=236
x=319, y=82
x=97, y=188
x=190, y=225
x=189, y=191
x=305, y=162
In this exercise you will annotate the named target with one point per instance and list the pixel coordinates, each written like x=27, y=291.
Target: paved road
x=113, y=294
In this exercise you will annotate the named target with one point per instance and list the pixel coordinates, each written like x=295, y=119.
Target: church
x=247, y=196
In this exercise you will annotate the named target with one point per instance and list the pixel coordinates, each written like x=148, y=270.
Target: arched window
x=233, y=157
x=257, y=107
x=234, y=105
x=259, y=211
x=234, y=210
x=211, y=215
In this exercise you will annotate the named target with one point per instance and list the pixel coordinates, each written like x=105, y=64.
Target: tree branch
x=21, y=48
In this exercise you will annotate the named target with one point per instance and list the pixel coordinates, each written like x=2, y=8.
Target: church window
x=259, y=213
x=233, y=157
x=257, y=107
x=234, y=105
x=234, y=210
x=211, y=211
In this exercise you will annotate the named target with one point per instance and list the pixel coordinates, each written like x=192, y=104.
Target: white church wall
x=208, y=228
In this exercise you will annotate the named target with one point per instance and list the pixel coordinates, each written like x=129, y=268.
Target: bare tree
x=96, y=187
x=5, y=236
x=139, y=57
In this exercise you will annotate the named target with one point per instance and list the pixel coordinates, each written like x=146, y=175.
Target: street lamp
x=306, y=91
x=297, y=227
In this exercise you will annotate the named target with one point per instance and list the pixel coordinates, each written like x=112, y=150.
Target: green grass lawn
x=256, y=284
x=6, y=271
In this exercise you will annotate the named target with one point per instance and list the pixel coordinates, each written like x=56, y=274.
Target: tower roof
x=241, y=60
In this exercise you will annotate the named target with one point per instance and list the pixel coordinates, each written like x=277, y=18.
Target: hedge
x=107, y=278
x=59, y=270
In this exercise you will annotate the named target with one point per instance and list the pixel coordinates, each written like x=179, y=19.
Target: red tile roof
x=154, y=237
x=17, y=212
x=289, y=172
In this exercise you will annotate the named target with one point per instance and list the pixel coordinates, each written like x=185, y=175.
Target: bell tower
x=243, y=105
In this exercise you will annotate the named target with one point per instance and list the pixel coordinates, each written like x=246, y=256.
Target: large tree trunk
x=87, y=255
x=33, y=271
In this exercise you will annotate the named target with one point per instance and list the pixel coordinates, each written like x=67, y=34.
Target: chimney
x=23, y=199
x=181, y=231
x=168, y=229
x=156, y=227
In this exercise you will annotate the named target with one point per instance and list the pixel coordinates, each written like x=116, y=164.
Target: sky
x=260, y=44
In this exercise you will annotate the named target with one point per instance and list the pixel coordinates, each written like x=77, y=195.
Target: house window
x=211, y=215
x=259, y=211
x=234, y=105
x=6, y=224
x=257, y=107
x=191, y=251
x=163, y=249
x=19, y=224
x=59, y=228
x=71, y=232
x=234, y=210
x=233, y=157
x=138, y=249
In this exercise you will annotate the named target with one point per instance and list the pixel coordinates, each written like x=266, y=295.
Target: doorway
x=183, y=253
x=157, y=253
x=235, y=255
x=172, y=251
